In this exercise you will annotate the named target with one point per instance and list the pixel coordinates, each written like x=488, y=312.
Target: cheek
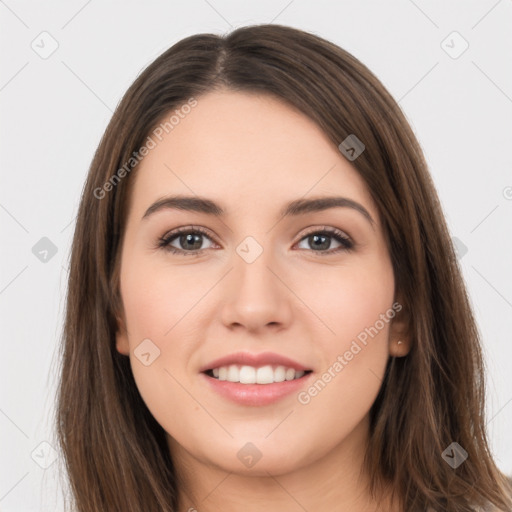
x=356, y=304
x=349, y=301
x=158, y=297
x=158, y=305
x=164, y=303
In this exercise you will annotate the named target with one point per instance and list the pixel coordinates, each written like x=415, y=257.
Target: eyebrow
x=293, y=208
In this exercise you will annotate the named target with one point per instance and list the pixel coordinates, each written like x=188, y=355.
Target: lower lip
x=256, y=394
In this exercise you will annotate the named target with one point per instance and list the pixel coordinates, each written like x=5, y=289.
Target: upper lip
x=256, y=360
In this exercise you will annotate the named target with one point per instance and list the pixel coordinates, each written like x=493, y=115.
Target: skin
x=252, y=153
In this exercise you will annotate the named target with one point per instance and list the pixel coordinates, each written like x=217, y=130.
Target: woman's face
x=285, y=288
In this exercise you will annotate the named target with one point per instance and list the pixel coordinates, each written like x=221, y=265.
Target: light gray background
x=54, y=111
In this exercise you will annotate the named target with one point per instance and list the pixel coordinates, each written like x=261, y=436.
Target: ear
x=122, y=344
x=399, y=332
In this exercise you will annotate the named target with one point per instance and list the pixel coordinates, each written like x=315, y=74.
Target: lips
x=255, y=360
x=255, y=379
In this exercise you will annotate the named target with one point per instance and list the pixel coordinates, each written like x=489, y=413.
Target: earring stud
x=400, y=342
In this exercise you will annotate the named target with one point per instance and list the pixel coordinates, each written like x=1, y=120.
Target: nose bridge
x=252, y=261
x=256, y=296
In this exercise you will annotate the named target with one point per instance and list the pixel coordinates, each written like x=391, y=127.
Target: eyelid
x=327, y=229
x=188, y=229
x=165, y=240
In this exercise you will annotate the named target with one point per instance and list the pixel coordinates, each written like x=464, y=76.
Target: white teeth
x=280, y=374
x=233, y=373
x=247, y=375
x=251, y=375
x=265, y=375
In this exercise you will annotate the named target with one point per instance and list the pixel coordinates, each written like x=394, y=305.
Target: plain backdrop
x=66, y=65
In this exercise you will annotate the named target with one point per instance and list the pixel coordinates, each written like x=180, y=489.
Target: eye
x=189, y=241
x=322, y=239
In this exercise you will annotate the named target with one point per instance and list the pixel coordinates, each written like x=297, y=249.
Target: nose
x=257, y=297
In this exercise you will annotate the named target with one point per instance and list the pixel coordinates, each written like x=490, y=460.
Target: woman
x=265, y=309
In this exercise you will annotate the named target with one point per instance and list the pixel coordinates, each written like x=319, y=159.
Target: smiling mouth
x=244, y=374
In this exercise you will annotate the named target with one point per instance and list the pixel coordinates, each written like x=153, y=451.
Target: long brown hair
x=115, y=452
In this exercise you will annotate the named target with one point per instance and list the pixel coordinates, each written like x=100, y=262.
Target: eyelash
x=347, y=244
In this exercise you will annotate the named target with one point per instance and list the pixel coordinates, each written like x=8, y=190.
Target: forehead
x=246, y=149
